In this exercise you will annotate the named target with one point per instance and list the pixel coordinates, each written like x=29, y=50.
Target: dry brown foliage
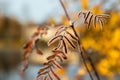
x=31, y=44
x=60, y=51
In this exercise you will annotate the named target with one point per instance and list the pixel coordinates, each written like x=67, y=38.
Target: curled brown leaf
x=72, y=36
x=54, y=39
x=64, y=46
x=70, y=42
x=52, y=71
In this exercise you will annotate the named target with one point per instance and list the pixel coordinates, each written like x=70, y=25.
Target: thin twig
x=91, y=63
x=81, y=53
x=86, y=55
x=64, y=10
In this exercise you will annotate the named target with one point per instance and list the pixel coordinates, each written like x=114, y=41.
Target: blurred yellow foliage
x=114, y=18
x=105, y=42
x=97, y=9
x=103, y=67
x=81, y=72
x=51, y=21
x=108, y=65
x=65, y=20
x=116, y=38
x=87, y=41
x=84, y=4
x=63, y=73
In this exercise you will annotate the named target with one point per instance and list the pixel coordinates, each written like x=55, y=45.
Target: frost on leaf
x=89, y=17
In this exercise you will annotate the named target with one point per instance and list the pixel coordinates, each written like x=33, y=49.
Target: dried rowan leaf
x=86, y=17
x=28, y=44
x=35, y=34
x=90, y=21
x=89, y=17
x=51, y=57
x=72, y=36
x=42, y=73
x=101, y=23
x=45, y=78
x=59, y=57
x=56, y=64
x=25, y=66
x=80, y=13
x=64, y=46
x=59, y=45
x=26, y=54
x=60, y=27
x=39, y=51
x=50, y=76
x=58, y=52
x=40, y=28
x=60, y=30
x=56, y=76
x=36, y=40
x=43, y=69
x=54, y=39
x=28, y=48
x=70, y=42
x=64, y=57
x=48, y=63
x=95, y=20
x=104, y=15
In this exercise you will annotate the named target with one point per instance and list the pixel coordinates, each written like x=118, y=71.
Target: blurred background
x=18, y=20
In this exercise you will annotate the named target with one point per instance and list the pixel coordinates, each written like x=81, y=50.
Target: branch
x=84, y=56
x=66, y=13
x=91, y=63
